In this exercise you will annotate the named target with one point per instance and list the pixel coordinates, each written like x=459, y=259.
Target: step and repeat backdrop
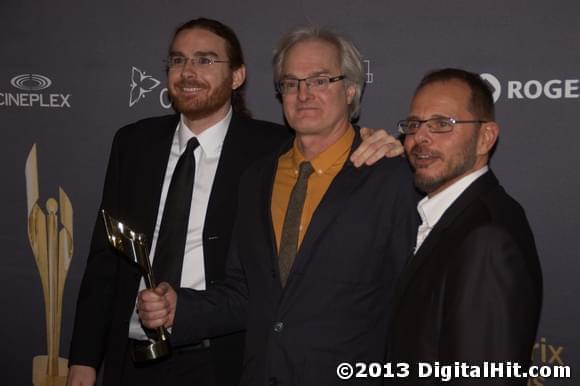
x=73, y=72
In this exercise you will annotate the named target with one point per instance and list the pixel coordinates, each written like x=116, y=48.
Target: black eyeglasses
x=434, y=125
x=198, y=61
x=317, y=82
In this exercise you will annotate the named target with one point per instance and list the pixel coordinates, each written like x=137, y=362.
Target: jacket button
x=278, y=327
x=273, y=381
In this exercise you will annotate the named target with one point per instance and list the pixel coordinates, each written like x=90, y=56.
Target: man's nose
x=189, y=68
x=303, y=91
x=423, y=134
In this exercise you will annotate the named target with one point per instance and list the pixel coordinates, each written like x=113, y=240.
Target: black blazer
x=335, y=306
x=472, y=293
x=131, y=194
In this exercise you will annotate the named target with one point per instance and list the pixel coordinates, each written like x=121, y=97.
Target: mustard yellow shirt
x=326, y=166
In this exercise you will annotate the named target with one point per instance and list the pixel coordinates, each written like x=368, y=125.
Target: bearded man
x=471, y=294
x=212, y=137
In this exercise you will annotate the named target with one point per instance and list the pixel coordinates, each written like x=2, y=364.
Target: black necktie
x=291, y=226
x=168, y=261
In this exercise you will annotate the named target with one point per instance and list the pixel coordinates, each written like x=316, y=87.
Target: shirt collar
x=432, y=208
x=329, y=157
x=210, y=140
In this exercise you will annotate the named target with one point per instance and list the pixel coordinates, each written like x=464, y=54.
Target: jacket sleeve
x=404, y=219
x=494, y=303
x=95, y=300
x=219, y=310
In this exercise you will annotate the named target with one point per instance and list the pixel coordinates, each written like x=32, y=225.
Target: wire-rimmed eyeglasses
x=178, y=61
x=434, y=125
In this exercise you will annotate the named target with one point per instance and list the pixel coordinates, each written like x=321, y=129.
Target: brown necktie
x=291, y=226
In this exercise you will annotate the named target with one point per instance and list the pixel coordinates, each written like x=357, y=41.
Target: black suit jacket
x=472, y=292
x=131, y=194
x=335, y=305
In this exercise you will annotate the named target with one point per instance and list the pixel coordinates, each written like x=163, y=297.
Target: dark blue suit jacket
x=335, y=306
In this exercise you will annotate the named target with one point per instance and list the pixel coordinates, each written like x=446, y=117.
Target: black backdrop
x=104, y=64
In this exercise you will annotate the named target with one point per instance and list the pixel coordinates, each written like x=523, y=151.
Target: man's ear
x=239, y=77
x=350, y=93
x=488, y=134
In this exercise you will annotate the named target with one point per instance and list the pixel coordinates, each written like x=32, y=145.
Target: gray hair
x=349, y=57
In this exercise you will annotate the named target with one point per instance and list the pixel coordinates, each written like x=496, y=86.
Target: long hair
x=234, y=52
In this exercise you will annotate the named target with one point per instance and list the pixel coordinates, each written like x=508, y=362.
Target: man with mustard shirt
x=317, y=244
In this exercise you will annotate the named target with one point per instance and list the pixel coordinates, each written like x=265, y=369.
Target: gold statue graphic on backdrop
x=53, y=251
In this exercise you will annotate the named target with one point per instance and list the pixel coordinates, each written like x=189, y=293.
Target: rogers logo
x=30, y=82
x=493, y=83
x=534, y=89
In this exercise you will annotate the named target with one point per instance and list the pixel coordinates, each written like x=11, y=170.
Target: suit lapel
x=330, y=206
x=265, y=193
x=346, y=181
x=227, y=174
x=475, y=190
x=157, y=154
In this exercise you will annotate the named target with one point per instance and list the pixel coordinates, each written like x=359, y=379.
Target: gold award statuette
x=52, y=249
x=134, y=246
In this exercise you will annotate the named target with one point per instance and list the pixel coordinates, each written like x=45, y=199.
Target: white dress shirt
x=432, y=208
x=207, y=156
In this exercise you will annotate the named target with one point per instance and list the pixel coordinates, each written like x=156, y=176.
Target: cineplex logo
x=32, y=93
x=534, y=89
x=142, y=84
